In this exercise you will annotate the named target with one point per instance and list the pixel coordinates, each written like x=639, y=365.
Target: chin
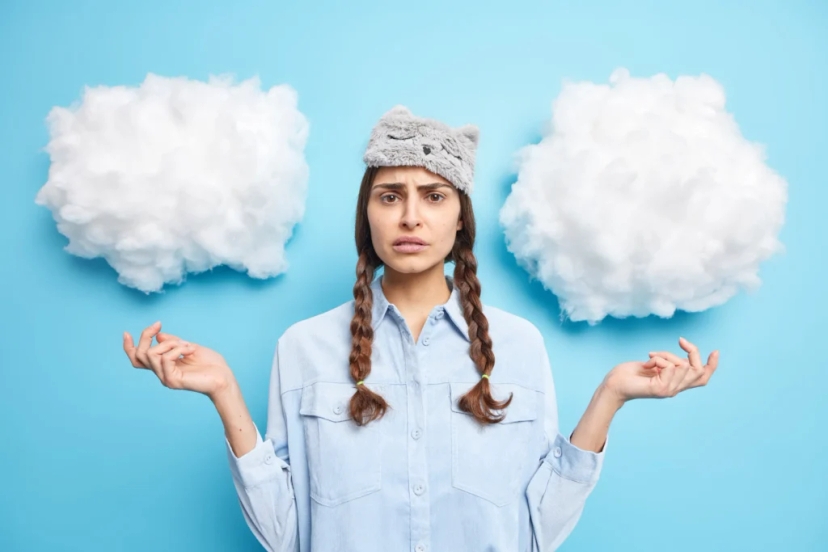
x=408, y=263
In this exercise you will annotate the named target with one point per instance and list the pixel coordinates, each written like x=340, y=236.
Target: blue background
x=99, y=456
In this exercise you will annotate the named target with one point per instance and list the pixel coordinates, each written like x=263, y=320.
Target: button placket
x=416, y=387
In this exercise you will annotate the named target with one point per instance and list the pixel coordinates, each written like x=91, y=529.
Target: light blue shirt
x=425, y=477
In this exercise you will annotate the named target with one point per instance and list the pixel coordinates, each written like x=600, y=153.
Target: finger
x=164, y=336
x=145, y=342
x=675, y=359
x=675, y=377
x=155, y=353
x=684, y=376
x=162, y=348
x=709, y=368
x=692, y=352
x=653, y=364
x=712, y=362
x=666, y=374
x=129, y=348
x=172, y=375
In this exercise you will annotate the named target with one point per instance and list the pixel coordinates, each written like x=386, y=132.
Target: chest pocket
x=487, y=460
x=344, y=460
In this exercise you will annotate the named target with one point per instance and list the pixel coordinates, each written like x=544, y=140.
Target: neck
x=416, y=293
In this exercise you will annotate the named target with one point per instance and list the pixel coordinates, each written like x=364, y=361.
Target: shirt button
x=338, y=409
x=439, y=314
x=557, y=452
x=269, y=459
x=416, y=433
x=434, y=320
x=420, y=548
x=425, y=341
x=418, y=489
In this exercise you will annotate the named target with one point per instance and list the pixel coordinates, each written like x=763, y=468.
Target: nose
x=411, y=217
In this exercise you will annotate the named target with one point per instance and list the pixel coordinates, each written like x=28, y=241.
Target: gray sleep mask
x=402, y=139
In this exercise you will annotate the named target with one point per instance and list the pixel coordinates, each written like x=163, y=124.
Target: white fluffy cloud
x=642, y=198
x=178, y=176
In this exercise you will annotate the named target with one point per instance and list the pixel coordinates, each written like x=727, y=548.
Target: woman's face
x=413, y=202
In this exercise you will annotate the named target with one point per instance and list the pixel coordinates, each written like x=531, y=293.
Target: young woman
x=389, y=428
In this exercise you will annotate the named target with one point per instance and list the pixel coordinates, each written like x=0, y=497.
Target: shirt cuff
x=257, y=465
x=573, y=463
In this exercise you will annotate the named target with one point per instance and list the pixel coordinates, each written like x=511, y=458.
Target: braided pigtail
x=478, y=401
x=365, y=405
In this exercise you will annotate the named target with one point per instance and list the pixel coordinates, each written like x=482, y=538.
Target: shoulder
x=519, y=349
x=316, y=348
x=331, y=324
x=511, y=328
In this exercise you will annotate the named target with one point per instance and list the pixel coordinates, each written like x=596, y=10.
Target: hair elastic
x=360, y=382
x=484, y=376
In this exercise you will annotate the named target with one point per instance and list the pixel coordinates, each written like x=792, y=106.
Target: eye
x=440, y=197
x=385, y=196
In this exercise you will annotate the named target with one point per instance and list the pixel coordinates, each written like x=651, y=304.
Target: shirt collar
x=452, y=306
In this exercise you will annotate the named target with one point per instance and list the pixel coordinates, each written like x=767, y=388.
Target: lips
x=409, y=245
x=411, y=241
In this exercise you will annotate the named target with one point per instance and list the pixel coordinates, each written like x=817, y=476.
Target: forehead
x=408, y=175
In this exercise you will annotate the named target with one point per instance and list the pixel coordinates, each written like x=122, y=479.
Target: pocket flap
x=330, y=400
x=523, y=406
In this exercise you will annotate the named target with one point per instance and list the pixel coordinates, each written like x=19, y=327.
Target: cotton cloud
x=642, y=198
x=178, y=176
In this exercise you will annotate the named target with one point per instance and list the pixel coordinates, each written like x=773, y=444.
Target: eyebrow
x=401, y=186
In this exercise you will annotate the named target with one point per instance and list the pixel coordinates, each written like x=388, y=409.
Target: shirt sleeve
x=262, y=478
x=558, y=490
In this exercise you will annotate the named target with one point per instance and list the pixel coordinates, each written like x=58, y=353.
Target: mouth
x=409, y=241
x=409, y=245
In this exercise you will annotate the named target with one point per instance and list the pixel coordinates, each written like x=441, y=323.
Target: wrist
x=608, y=397
x=227, y=390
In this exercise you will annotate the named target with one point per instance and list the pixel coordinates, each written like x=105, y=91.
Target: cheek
x=379, y=229
x=446, y=232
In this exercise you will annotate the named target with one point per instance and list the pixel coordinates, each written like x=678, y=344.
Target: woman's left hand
x=664, y=375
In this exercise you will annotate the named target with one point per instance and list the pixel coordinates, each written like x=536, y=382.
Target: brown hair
x=367, y=405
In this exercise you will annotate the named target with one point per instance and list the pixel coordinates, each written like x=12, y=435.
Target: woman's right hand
x=199, y=369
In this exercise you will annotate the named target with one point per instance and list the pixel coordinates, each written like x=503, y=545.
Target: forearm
x=238, y=425
x=559, y=488
x=591, y=431
x=263, y=481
